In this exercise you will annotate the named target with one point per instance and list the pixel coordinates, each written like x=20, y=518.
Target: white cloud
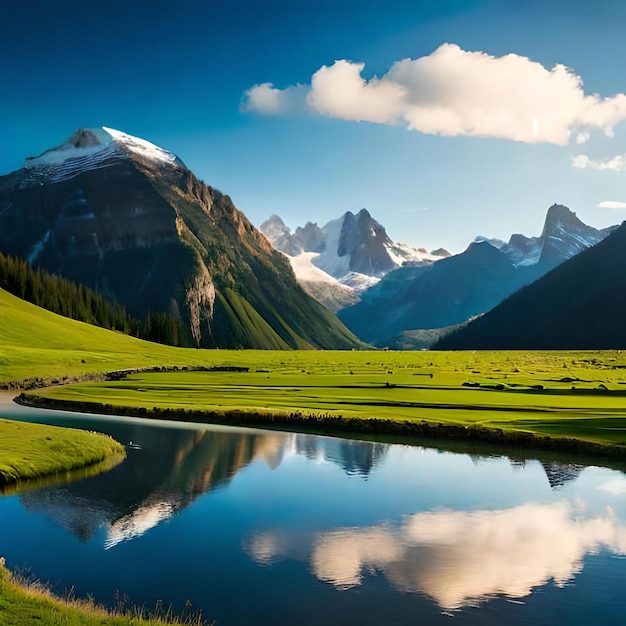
x=582, y=137
x=612, y=164
x=456, y=92
x=266, y=99
x=612, y=204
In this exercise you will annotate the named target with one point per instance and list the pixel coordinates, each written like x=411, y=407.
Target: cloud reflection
x=458, y=558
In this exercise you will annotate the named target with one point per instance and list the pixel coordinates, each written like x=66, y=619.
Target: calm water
x=259, y=527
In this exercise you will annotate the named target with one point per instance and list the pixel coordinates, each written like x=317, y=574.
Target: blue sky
x=476, y=133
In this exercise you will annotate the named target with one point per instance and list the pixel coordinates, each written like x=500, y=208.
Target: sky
x=445, y=119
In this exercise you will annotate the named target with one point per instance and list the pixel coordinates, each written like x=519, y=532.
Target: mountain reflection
x=171, y=470
x=458, y=558
x=353, y=456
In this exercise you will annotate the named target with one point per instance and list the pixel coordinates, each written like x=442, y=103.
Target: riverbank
x=22, y=603
x=387, y=429
x=30, y=453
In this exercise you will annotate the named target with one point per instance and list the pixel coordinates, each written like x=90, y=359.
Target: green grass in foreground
x=33, y=451
x=23, y=604
x=580, y=395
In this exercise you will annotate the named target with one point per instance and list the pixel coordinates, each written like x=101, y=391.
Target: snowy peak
x=135, y=146
x=90, y=149
x=563, y=236
x=353, y=243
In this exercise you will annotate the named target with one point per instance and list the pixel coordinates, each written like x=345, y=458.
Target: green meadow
x=569, y=394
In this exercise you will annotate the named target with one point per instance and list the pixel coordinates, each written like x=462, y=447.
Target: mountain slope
x=579, y=304
x=436, y=295
x=129, y=220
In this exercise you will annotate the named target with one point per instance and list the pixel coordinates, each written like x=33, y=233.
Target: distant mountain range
x=458, y=288
x=578, y=305
x=387, y=293
x=131, y=221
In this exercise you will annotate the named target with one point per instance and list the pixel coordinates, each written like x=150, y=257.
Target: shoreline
x=394, y=431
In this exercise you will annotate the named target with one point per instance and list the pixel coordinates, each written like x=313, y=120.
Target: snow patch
x=141, y=147
x=359, y=282
x=306, y=271
x=329, y=260
x=90, y=149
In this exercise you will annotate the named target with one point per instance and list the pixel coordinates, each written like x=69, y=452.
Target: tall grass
x=24, y=602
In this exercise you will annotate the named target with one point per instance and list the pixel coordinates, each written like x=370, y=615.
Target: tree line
x=78, y=302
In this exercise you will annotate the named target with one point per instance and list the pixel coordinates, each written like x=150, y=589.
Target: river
x=264, y=527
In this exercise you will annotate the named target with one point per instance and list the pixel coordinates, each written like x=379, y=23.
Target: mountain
x=351, y=244
x=578, y=305
x=563, y=236
x=131, y=221
x=458, y=288
x=337, y=262
x=432, y=296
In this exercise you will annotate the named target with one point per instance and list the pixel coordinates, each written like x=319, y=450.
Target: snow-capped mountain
x=563, y=236
x=91, y=149
x=351, y=243
x=129, y=220
x=353, y=251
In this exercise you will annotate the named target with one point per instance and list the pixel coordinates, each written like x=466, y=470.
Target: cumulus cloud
x=266, y=99
x=458, y=558
x=612, y=164
x=455, y=92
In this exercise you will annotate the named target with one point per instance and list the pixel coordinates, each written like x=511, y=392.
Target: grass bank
x=580, y=407
x=23, y=603
x=30, y=453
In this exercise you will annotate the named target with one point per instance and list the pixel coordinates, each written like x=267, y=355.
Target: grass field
x=30, y=452
x=580, y=395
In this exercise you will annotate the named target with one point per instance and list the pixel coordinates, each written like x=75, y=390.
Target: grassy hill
x=37, y=343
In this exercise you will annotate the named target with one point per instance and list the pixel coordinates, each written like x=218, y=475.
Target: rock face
x=129, y=220
x=563, y=237
x=352, y=244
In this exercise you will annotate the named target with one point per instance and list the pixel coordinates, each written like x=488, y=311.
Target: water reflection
x=171, y=470
x=409, y=533
x=458, y=558
x=561, y=473
x=354, y=457
x=174, y=467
